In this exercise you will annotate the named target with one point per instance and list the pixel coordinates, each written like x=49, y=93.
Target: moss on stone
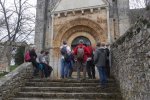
x=138, y=29
x=144, y=21
x=3, y=74
x=148, y=25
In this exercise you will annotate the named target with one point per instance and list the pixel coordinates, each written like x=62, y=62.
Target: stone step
x=58, y=99
x=70, y=89
x=70, y=80
x=58, y=84
x=70, y=95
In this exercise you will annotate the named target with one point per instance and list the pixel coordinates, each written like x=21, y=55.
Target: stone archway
x=69, y=31
x=75, y=42
x=78, y=25
x=91, y=38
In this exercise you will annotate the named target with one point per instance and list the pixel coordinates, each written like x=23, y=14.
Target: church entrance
x=75, y=42
x=72, y=31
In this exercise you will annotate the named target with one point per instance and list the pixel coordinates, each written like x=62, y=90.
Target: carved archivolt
x=70, y=29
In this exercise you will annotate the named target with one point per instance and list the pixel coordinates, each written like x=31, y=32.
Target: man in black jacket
x=100, y=62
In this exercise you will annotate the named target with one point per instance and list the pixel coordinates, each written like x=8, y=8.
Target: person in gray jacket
x=100, y=62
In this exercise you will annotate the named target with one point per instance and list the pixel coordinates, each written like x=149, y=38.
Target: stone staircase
x=71, y=89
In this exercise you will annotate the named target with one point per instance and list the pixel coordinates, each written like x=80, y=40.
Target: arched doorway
x=68, y=29
x=77, y=39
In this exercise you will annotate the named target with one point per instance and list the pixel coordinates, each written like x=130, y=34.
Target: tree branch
x=5, y=16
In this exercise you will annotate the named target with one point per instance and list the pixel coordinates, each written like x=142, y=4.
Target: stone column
x=108, y=26
x=52, y=30
x=53, y=56
x=123, y=9
x=40, y=24
x=55, y=63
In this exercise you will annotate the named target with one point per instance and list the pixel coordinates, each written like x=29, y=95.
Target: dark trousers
x=71, y=69
x=50, y=69
x=47, y=70
x=70, y=72
x=90, y=69
x=107, y=69
x=35, y=67
x=44, y=69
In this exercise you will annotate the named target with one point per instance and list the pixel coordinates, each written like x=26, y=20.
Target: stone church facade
x=71, y=20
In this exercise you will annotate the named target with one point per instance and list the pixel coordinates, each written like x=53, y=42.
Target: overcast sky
x=136, y=4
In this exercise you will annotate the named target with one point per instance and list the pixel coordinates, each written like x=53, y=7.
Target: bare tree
x=147, y=3
x=138, y=8
x=17, y=23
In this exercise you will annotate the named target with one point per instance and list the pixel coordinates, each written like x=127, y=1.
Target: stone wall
x=12, y=82
x=131, y=61
x=134, y=14
x=3, y=59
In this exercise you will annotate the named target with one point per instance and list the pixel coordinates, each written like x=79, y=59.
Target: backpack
x=65, y=54
x=63, y=50
x=80, y=53
x=27, y=56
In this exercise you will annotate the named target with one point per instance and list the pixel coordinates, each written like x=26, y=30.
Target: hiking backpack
x=65, y=53
x=80, y=53
x=27, y=56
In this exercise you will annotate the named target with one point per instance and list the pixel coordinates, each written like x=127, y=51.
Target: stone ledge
x=11, y=83
x=140, y=25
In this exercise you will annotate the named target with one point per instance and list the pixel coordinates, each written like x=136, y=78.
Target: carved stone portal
x=80, y=27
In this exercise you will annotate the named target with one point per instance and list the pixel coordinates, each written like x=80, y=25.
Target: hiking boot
x=89, y=77
x=70, y=77
x=94, y=78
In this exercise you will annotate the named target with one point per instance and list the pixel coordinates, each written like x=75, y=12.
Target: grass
x=3, y=74
x=11, y=69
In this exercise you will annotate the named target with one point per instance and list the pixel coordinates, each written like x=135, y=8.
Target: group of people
x=40, y=62
x=85, y=58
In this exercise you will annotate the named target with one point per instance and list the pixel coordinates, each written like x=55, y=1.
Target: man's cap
x=81, y=41
x=88, y=43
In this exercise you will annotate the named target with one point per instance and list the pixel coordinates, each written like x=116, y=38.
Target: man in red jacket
x=81, y=52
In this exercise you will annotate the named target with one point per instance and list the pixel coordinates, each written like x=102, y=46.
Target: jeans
x=81, y=65
x=64, y=68
x=102, y=75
